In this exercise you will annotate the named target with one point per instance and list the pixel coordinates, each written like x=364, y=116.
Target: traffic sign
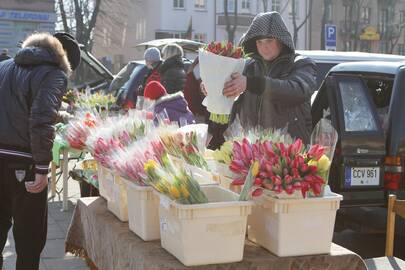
x=330, y=37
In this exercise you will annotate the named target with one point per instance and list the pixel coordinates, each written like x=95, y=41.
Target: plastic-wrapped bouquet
x=78, y=130
x=176, y=183
x=217, y=63
x=187, y=143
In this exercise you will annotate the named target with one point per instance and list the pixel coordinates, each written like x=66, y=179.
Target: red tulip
x=295, y=148
x=257, y=192
x=238, y=182
x=258, y=181
x=316, y=151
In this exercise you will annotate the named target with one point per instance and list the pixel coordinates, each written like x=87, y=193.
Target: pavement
x=53, y=256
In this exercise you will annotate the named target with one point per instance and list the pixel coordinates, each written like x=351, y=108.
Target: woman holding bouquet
x=277, y=84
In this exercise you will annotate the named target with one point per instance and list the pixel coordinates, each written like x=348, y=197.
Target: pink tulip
x=316, y=151
x=257, y=192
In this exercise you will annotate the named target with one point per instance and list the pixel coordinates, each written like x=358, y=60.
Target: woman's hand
x=235, y=86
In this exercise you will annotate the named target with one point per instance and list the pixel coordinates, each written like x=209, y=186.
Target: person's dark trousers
x=27, y=212
x=217, y=132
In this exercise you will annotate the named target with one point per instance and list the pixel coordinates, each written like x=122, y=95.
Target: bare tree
x=231, y=27
x=326, y=6
x=79, y=18
x=392, y=30
x=357, y=6
x=294, y=11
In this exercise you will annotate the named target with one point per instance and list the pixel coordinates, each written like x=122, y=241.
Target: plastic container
x=208, y=233
x=143, y=211
x=106, y=181
x=226, y=182
x=294, y=227
x=117, y=203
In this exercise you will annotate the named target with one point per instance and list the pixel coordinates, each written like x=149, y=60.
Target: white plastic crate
x=143, y=211
x=105, y=181
x=208, y=233
x=117, y=203
x=294, y=227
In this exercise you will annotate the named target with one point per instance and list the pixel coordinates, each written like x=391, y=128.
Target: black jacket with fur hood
x=31, y=89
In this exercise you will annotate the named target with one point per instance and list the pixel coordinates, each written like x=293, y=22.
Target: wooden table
x=107, y=243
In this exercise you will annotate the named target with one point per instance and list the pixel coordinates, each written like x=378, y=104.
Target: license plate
x=362, y=176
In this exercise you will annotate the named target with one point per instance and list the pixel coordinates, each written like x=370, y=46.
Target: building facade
x=362, y=25
x=200, y=20
x=20, y=18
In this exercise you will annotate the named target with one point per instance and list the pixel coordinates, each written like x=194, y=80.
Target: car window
x=85, y=73
x=380, y=91
x=357, y=111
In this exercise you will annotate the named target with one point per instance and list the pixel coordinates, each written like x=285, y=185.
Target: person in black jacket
x=172, y=72
x=277, y=84
x=31, y=89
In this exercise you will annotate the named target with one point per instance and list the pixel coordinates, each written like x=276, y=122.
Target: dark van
x=365, y=103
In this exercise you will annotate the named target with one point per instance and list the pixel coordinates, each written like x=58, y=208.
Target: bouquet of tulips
x=176, y=183
x=129, y=161
x=78, y=130
x=187, y=143
x=284, y=169
x=96, y=101
x=218, y=61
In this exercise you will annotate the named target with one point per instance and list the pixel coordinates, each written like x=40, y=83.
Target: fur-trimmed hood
x=40, y=49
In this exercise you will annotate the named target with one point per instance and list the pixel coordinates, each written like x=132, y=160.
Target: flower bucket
x=143, y=211
x=294, y=227
x=202, y=234
x=117, y=204
x=105, y=181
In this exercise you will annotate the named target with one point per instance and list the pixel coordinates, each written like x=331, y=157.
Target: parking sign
x=330, y=37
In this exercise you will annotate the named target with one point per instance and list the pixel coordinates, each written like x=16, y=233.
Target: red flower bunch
x=281, y=167
x=78, y=131
x=225, y=49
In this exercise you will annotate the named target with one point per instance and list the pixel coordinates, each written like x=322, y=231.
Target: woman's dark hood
x=267, y=25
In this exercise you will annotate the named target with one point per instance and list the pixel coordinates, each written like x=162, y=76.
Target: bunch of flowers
x=78, y=130
x=129, y=162
x=97, y=100
x=113, y=134
x=282, y=167
x=225, y=49
x=224, y=154
x=173, y=182
x=184, y=144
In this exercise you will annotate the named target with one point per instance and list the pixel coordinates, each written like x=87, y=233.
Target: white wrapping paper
x=215, y=70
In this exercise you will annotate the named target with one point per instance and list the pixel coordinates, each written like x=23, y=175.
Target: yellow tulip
x=323, y=163
x=185, y=192
x=255, y=168
x=150, y=165
x=174, y=192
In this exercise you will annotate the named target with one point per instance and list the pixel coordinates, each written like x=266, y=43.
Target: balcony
x=346, y=28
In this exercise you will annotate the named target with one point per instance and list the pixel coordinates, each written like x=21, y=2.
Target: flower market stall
x=261, y=201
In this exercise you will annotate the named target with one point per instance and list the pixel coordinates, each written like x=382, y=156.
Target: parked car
x=90, y=73
x=364, y=101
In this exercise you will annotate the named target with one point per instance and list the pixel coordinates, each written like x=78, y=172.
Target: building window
x=365, y=15
x=348, y=46
x=178, y=3
x=200, y=37
x=365, y=46
x=348, y=13
x=294, y=13
x=383, y=21
x=275, y=5
x=246, y=5
x=231, y=5
x=199, y=4
x=402, y=17
x=329, y=12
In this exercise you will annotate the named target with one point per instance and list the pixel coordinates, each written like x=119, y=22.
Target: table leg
x=65, y=175
x=53, y=179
